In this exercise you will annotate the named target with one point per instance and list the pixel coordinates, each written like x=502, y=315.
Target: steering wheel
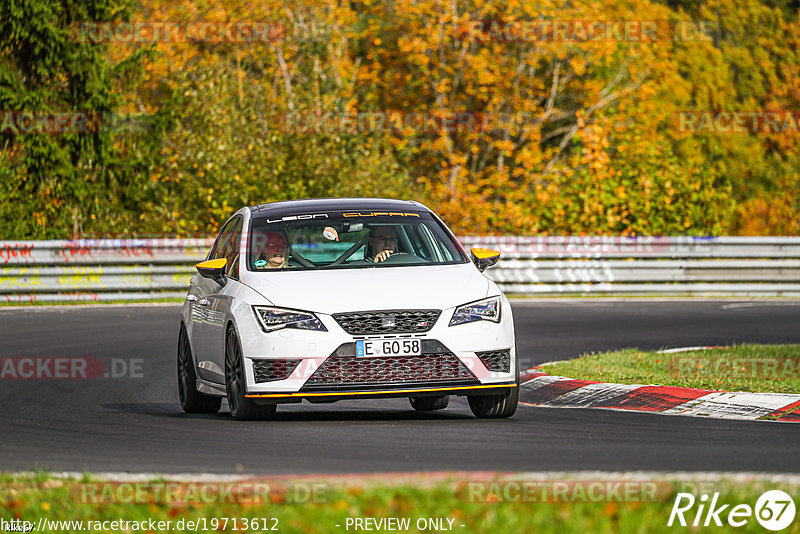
x=400, y=257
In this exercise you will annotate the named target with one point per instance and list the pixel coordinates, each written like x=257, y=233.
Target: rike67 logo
x=774, y=510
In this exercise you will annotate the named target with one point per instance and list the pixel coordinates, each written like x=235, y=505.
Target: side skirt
x=210, y=388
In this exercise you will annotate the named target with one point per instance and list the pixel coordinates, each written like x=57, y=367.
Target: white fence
x=142, y=269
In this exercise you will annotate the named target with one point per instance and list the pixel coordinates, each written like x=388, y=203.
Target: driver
x=382, y=243
x=275, y=251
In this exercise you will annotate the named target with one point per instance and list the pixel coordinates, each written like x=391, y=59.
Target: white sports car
x=335, y=299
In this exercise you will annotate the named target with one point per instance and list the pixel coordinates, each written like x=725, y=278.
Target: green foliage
x=650, y=193
x=228, y=151
x=54, y=183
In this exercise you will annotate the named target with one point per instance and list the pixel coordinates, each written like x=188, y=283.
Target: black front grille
x=271, y=370
x=442, y=368
x=496, y=360
x=387, y=321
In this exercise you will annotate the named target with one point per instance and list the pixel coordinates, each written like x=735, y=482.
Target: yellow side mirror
x=213, y=269
x=484, y=258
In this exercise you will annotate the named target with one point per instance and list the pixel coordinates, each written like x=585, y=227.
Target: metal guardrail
x=740, y=266
x=98, y=269
x=145, y=269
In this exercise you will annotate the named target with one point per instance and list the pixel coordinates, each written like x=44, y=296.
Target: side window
x=420, y=248
x=435, y=246
x=234, y=249
x=222, y=238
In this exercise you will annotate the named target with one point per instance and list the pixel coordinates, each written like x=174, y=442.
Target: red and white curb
x=541, y=389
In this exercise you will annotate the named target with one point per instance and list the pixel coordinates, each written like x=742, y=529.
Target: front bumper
x=465, y=359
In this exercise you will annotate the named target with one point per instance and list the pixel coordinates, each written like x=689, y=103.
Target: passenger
x=275, y=252
x=382, y=243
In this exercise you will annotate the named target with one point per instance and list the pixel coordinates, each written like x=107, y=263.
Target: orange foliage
x=578, y=138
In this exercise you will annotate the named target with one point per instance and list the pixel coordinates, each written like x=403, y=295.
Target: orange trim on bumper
x=378, y=392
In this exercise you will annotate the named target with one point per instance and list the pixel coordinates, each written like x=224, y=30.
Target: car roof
x=291, y=207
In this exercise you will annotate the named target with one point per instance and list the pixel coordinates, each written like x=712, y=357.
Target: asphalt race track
x=135, y=423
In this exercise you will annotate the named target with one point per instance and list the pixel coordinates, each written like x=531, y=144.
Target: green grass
x=32, y=497
x=757, y=368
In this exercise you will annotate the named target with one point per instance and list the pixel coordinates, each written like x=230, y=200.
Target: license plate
x=370, y=348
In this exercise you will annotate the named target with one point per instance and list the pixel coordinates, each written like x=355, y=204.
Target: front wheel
x=192, y=401
x=495, y=406
x=242, y=408
x=428, y=404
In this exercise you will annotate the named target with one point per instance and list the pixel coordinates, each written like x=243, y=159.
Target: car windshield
x=349, y=240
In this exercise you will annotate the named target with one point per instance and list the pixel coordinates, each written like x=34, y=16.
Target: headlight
x=272, y=319
x=482, y=310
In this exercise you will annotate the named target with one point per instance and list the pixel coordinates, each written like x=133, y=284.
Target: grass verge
x=40, y=496
x=756, y=368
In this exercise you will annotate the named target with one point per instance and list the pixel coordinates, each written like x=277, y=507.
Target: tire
x=242, y=408
x=496, y=406
x=192, y=401
x=428, y=404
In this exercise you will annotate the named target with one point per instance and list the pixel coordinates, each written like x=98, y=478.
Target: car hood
x=380, y=288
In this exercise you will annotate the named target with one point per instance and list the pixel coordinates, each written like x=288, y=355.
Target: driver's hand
x=382, y=255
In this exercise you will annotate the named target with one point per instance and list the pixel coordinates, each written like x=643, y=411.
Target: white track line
x=541, y=381
x=591, y=394
x=735, y=405
x=686, y=349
